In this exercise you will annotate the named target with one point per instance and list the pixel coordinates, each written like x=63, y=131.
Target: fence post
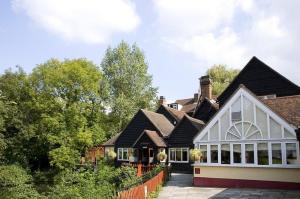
x=139, y=170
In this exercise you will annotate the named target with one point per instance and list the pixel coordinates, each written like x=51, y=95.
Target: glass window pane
x=225, y=154
x=249, y=153
x=225, y=123
x=125, y=154
x=203, y=149
x=262, y=154
x=214, y=132
x=184, y=154
x=261, y=121
x=119, y=153
x=275, y=129
x=276, y=154
x=291, y=153
x=248, y=110
x=178, y=154
x=288, y=134
x=236, y=110
x=172, y=155
x=237, y=153
x=214, y=153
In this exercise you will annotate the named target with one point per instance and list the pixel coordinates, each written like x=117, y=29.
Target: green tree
x=130, y=86
x=221, y=77
x=16, y=183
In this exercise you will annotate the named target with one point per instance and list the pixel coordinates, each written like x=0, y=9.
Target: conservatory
x=245, y=144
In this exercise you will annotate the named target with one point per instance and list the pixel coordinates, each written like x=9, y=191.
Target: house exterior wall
x=222, y=176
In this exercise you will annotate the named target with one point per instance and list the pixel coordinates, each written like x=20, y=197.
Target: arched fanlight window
x=243, y=130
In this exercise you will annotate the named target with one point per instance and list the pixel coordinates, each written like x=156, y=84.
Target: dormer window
x=173, y=105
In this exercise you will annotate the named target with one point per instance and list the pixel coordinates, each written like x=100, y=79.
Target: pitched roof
x=178, y=115
x=197, y=123
x=159, y=121
x=185, y=101
x=112, y=140
x=157, y=140
x=189, y=108
x=205, y=109
x=261, y=80
x=287, y=107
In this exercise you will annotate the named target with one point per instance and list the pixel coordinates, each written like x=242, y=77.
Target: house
x=251, y=141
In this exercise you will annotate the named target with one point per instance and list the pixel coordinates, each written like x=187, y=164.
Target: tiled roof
x=185, y=101
x=160, y=122
x=188, y=108
x=158, y=141
x=197, y=123
x=112, y=140
x=175, y=113
x=287, y=107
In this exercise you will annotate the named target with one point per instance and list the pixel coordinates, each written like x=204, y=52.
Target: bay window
x=250, y=154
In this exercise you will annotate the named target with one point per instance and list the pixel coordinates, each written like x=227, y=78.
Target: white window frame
x=181, y=149
x=255, y=164
x=122, y=150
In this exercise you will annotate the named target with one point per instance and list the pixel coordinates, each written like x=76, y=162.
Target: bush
x=16, y=183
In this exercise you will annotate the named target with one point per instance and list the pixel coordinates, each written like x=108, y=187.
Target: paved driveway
x=180, y=186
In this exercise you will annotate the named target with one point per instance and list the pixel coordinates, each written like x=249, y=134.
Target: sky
x=181, y=39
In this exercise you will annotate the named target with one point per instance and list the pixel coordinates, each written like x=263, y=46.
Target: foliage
x=221, y=77
x=82, y=184
x=195, y=154
x=111, y=155
x=130, y=86
x=161, y=156
x=16, y=183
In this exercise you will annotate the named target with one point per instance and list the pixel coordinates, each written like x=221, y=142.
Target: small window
x=225, y=154
x=262, y=154
x=203, y=149
x=214, y=153
x=291, y=153
x=237, y=153
x=178, y=155
x=249, y=153
x=122, y=153
x=276, y=153
x=236, y=113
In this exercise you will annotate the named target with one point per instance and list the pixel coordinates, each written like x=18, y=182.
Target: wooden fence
x=143, y=190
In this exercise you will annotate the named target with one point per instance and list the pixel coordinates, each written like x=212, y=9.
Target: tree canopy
x=221, y=77
x=129, y=84
x=51, y=116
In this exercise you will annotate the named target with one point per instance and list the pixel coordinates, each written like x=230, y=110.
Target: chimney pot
x=162, y=100
x=205, y=87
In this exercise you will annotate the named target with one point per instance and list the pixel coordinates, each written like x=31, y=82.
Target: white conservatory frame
x=287, y=131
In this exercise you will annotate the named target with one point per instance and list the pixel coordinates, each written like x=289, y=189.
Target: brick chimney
x=205, y=87
x=162, y=100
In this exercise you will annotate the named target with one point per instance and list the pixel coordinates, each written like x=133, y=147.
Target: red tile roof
x=287, y=107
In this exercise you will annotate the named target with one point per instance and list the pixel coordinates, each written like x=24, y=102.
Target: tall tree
x=130, y=85
x=221, y=77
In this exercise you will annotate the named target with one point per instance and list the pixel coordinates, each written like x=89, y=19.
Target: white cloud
x=232, y=31
x=90, y=21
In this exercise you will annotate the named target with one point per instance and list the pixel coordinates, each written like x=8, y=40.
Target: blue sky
x=181, y=39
